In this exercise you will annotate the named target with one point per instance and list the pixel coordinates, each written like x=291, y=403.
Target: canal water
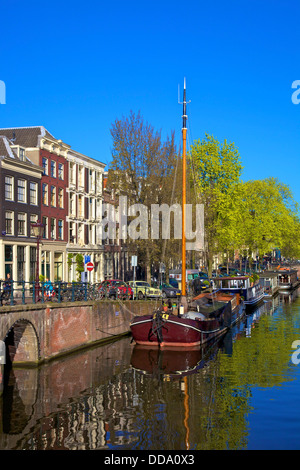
x=240, y=394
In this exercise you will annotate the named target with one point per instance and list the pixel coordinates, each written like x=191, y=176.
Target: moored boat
x=287, y=279
x=209, y=317
x=205, y=318
x=269, y=281
x=251, y=292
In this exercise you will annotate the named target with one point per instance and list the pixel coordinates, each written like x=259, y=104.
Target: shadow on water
x=124, y=396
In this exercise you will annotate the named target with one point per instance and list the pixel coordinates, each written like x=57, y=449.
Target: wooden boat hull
x=175, y=331
x=169, y=330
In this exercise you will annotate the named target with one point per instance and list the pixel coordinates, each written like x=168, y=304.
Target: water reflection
x=121, y=396
x=170, y=363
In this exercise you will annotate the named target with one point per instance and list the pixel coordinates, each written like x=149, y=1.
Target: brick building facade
x=20, y=186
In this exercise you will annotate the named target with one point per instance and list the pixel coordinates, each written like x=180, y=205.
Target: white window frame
x=11, y=178
x=12, y=222
x=25, y=224
x=36, y=193
x=25, y=190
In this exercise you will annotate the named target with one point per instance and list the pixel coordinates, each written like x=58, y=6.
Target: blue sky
x=75, y=67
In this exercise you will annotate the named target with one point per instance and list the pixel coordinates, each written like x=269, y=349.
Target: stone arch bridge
x=40, y=332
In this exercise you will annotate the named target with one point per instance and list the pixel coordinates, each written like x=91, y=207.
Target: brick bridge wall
x=37, y=333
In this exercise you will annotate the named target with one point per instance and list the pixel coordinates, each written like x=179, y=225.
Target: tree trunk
x=209, y=264
x=148, y=266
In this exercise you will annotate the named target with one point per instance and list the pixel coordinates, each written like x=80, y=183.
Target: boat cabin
x=252, y=292
x=238, y=282
x=287, y=279
x=269, y=281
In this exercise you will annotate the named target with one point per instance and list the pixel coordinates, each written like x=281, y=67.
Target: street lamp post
x=37, y=230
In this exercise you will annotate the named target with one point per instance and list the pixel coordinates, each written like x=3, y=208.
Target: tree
x=142, y=168
x=216, y=170
x=270, y=217
x=79, y=265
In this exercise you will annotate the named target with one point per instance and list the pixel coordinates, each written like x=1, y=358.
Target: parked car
x=116, y=288
x=196, y=286
x=143, y=289
x=203, y=275
x=169, y=291
x=173, y=282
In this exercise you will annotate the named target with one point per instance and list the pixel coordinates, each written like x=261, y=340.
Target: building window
x=32, y=263
x=9, y=188
x=45, y=223
x=33, y=193
x=81, y=176
x=58, y=266
x=45, y=194
x=60, y=198
x=53, y=196
x=45, y=264
x=72, y=204
x=71, y=233
x=60, y=171
x=9, y=217
x=53, y=169
x=52, y=228
x=80, y=206
x=21, y=191
x=45, y=165
x=8, y=256
x=72, y=173
x=91, y=234
x=60, y=230
x=33, y=220
x=81, y=234
x=22, y=154
x=98, y=209
x=92, y=181
x=20, y=263
x=21, y=224
x=91, y=208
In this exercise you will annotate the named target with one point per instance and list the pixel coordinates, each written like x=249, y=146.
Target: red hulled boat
x=208, y=316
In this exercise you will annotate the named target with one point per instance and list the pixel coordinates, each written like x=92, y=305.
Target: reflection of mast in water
x=184, y=385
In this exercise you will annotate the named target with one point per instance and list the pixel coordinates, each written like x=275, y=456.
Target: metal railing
x=22, y=292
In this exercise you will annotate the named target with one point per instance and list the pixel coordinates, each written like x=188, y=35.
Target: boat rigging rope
x=157, y=323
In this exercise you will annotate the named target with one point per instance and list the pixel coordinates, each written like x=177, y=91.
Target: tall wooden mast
x=183, y=247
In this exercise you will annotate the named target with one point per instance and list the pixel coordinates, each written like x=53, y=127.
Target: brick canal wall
x=38, y=333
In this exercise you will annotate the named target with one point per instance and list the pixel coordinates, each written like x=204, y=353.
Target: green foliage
x=270, y=217
x=70, y=259
x=216, y=170
x=254, y=278
x=254, y=216
x=79, y=265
